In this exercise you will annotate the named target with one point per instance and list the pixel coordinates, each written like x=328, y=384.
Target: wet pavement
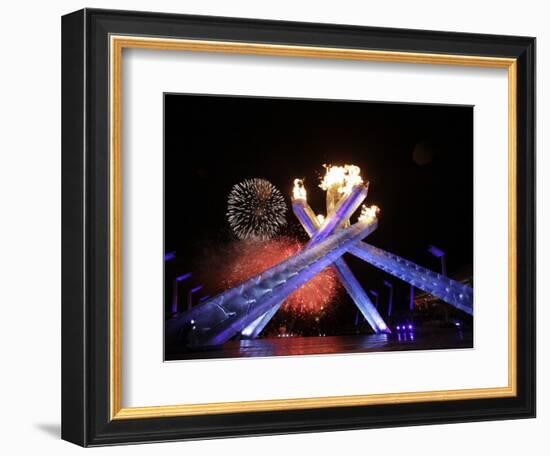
x=286, y=346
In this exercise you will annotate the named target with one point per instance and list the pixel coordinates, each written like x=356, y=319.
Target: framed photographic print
x=243, y=224
x=275, y=227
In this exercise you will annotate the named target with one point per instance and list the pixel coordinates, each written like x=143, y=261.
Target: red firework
x=252, y=257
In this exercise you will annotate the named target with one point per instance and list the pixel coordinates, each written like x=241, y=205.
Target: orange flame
x=368, y=213
x=299, y=191
x=343, y=177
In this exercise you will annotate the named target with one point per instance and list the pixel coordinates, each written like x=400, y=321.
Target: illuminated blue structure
x=341, y=212
x=311, y=225
x=452, y=292
x=218, y=319
x=248, y=307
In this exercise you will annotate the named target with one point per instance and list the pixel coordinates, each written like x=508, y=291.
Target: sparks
x=248, y=258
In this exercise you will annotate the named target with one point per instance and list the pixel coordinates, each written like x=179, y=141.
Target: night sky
x=418, y=159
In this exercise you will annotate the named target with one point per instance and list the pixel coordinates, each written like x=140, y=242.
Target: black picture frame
x=86, y=416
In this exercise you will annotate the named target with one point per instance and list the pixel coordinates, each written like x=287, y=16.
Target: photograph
x=316, y=226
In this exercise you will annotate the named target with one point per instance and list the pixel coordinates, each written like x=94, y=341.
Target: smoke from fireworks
x=227, y=266
x=256, y=209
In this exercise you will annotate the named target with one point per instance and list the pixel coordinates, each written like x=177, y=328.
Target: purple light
x=169, y=256
x=224, y=315
x=197, y=288
x=307, y=218
x=343, y=210
x=457, y=324
x=452, y=292
x=183, y=277
x=410, y=326
x=398, y=327
x=438, y=253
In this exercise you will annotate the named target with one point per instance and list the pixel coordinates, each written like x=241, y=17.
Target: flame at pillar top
x=368, y=213
x=299, y=191
x=344, y=178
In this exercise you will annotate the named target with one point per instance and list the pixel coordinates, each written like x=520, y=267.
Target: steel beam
x=340, y=213
x=218, y=319
x=452, y=292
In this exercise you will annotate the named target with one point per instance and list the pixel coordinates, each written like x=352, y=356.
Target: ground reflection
x=287, y=346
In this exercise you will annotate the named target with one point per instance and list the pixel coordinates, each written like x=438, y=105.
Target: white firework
x=256, y=209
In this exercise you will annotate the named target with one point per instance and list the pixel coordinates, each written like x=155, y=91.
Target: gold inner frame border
x=116, y=46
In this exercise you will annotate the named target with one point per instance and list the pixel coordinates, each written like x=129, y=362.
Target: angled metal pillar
x=340, y=213
x=452, y=292
x=254, y=329
x=218, y=319
x=307, y=218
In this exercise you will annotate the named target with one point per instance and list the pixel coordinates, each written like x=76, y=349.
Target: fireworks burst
x=251, y=258
x=226, y=265
x=256, y=209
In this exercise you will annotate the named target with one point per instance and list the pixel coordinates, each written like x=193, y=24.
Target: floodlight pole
x=175, y=290
x=438, y=253
x=390, y=297
x=190, y=294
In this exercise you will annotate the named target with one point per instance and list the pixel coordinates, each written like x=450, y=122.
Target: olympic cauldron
x=247, y=308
